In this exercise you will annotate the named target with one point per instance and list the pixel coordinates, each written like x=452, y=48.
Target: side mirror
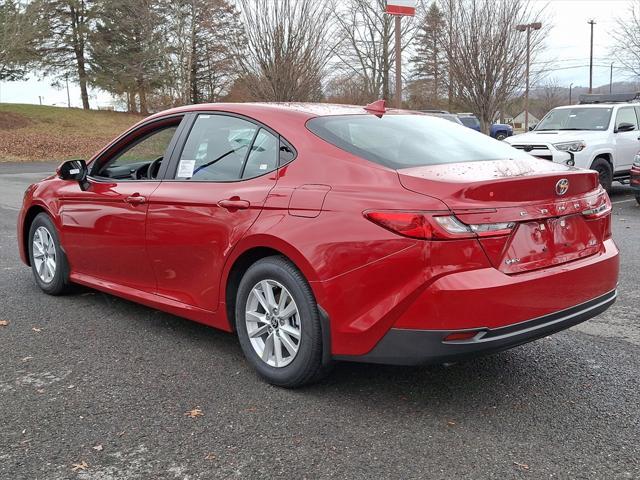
x=625, y=127
x=74, y=170
x=531, y=128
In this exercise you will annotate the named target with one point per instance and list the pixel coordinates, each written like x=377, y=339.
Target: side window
x=138, y=156
x=216, y=148
x=627, y=115
x=263, y=157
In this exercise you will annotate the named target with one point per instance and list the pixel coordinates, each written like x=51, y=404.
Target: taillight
x=435, y=225
x=408, y=224
x=601, y=207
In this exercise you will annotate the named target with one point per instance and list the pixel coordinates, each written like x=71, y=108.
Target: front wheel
x=278, y=323
x=605, y=173
x=48, y=261
x=501, y=136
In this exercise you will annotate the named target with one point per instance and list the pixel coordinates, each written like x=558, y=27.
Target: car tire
x=638, y=198
x=262, y=332
x=501, y=136
x=605, y=173
x=48, y=260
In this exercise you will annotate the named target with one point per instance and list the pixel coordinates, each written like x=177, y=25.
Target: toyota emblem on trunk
x=528, y=148
x=562, y=186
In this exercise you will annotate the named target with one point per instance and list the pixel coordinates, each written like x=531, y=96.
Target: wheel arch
x=605, y=156
x=252, y=251
x=33, y=211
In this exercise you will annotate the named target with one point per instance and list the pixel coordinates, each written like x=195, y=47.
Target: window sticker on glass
x=263, y=166
x=185, y=168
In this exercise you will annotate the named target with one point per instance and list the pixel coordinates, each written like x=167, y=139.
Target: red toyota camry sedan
x=318, y=233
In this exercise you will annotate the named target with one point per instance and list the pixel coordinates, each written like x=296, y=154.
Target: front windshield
x=576, y=119
x=402, y=141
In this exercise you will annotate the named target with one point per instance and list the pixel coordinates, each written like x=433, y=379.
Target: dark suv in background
x=499, y=131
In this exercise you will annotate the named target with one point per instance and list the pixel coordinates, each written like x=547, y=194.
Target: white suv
x=602, y=133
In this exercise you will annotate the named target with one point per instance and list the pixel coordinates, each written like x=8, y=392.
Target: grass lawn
x=36, y=133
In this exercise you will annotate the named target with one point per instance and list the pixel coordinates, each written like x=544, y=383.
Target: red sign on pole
x=401, y=7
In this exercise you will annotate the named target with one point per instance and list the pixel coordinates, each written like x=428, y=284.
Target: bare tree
x=488, y=55
x=288, y=46
x=549, y=96
x=367, y=47
x=627, y=33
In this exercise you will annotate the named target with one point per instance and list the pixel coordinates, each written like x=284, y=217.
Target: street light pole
x=592, y=23
x=527, y=28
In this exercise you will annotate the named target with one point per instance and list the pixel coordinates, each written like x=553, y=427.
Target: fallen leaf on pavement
x=79, y=466
x=195, y=412
x=523, y=466
x=26, y=359
x=35, y=329
x=4, y=323
x=98, y=448
x=210, y=456
x=451, y=423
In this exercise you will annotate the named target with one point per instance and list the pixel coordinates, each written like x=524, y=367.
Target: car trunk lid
x=545, y=204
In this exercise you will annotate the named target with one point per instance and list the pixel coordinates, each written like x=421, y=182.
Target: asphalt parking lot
x=94, y=387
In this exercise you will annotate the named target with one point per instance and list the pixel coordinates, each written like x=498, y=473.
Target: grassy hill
x=37, y=133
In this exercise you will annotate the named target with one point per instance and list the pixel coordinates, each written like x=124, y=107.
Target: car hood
x=554, y=136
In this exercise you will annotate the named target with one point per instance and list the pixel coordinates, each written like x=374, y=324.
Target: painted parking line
x=623, y=201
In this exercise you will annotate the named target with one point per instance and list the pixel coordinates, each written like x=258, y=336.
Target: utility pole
x=592, y=23
x=527, y=28
x=570, y=88
x=398, y=63
x=66, y=77
x=611, y=80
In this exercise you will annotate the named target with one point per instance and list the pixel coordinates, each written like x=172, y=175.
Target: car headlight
x=636, y=161
x=571, y=146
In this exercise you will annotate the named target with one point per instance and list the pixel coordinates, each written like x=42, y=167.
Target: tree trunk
x=193, y=74
x=142, y=93
x=77, y=24
x=82, y=78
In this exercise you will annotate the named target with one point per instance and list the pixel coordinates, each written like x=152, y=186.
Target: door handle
x=234, y=203
x=135, y=199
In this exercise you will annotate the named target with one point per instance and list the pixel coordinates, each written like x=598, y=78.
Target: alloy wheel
x=273, y=323
x=44, y=254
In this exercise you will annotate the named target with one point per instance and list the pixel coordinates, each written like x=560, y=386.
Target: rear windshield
x=404, y=141
x=471, y=122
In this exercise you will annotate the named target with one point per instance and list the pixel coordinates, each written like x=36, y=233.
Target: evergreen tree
x=430, y=58
x=128, y=50
x=63, y=42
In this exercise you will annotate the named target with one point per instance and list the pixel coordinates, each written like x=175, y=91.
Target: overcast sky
x=567, y=52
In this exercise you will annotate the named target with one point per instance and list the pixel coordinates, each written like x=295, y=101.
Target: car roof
x=309, y=110
x=596, y=105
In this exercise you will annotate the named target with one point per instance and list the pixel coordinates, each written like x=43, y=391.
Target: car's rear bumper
x=420, y=347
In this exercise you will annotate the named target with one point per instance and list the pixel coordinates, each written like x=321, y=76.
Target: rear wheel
x=605, y=173
x=638, y=198
x=48, y=261
x=278, y=323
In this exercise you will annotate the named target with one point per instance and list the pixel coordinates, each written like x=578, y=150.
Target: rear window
x=404, y=141
x=471, y=122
